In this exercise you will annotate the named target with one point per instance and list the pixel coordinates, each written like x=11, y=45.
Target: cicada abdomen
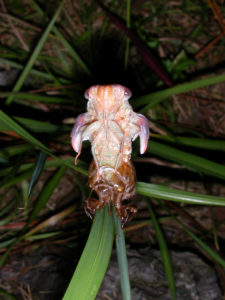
x=110, y=125
x=112, y=187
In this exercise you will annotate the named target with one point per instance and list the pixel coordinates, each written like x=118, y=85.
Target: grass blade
x=37, y=171
x=164, y=252
x=155, y=98
x=37, y=97
x=34, y=55
x=209, y=144
x=192, y=161
x=166, y=193
x=122, y=258
x=35, y=72
x=94, y=260
x=37, y=126
x=66, y=44
x=202, y=244
x=46, y=192
x=145, y=52
x=12, y=125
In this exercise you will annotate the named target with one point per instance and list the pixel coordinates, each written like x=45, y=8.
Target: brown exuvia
x=110, y=124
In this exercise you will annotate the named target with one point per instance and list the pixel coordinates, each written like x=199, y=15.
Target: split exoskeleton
x=110, y=124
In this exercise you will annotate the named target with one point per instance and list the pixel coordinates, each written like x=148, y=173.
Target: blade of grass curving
x=50, y=221
x=37, y=126
x=127, y=47
x=47, y=192
x=56, y=162
x=164, y=252
x=192, y=161
x=166, y=193
x=37, y=97
x=15, y=150
x=214, y=229
x=43, y=236
x=145, y=52
x=11, y=124
x=202, y=244
x=9, y=182
x=122, y=257
x=66, y=44
x=203, y=143
x=34, y=55
x=94, y=260
x=18, y=66
x=37, y=171
x=44, y=196
x=155, y=98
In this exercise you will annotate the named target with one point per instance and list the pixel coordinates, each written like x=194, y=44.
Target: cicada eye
x=127, y=93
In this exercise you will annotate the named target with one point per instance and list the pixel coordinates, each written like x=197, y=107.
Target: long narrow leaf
x=92, y=265
x=37, y=171
x=164, y=252
x=34, y=55
x=46, y=192
x=151, y=100
x=145, y=52
x=37, y=97
x=209, y=144
x=66, y=44
x=35, y=72
x=202, y=244
x=192, y=161
x=12, y=125
x=37, y=126
x=166, y=193
x=122, y=258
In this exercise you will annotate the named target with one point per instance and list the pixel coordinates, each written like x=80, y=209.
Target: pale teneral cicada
x=110, y=124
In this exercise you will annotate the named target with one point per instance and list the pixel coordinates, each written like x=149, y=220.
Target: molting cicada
x=110, y=124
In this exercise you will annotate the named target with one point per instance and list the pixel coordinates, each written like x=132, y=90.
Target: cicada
x=110, y=124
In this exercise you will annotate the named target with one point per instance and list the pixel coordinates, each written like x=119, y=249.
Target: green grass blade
x=12, y=125
x=94, y=260
x=202, y=244
x=37, y=171
x=15, y=150
x=122, y=258
x=37, y=97
x=9, y=182
x=166, y=193
x=66, y=44
x=203, y=143
x=47, y=192
x=34, y=55
x=37, y=126
x=35, y=72
x=127, y=47
x=164, y=252
x=192, y=161
x=155, y=98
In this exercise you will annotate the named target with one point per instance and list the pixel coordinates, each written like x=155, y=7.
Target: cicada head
x=106, y=99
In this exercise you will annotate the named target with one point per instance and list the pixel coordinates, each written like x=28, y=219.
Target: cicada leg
x=125, y=212
x=141, y=121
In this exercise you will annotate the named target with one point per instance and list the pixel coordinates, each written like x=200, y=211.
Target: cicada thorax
x=112, y=186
